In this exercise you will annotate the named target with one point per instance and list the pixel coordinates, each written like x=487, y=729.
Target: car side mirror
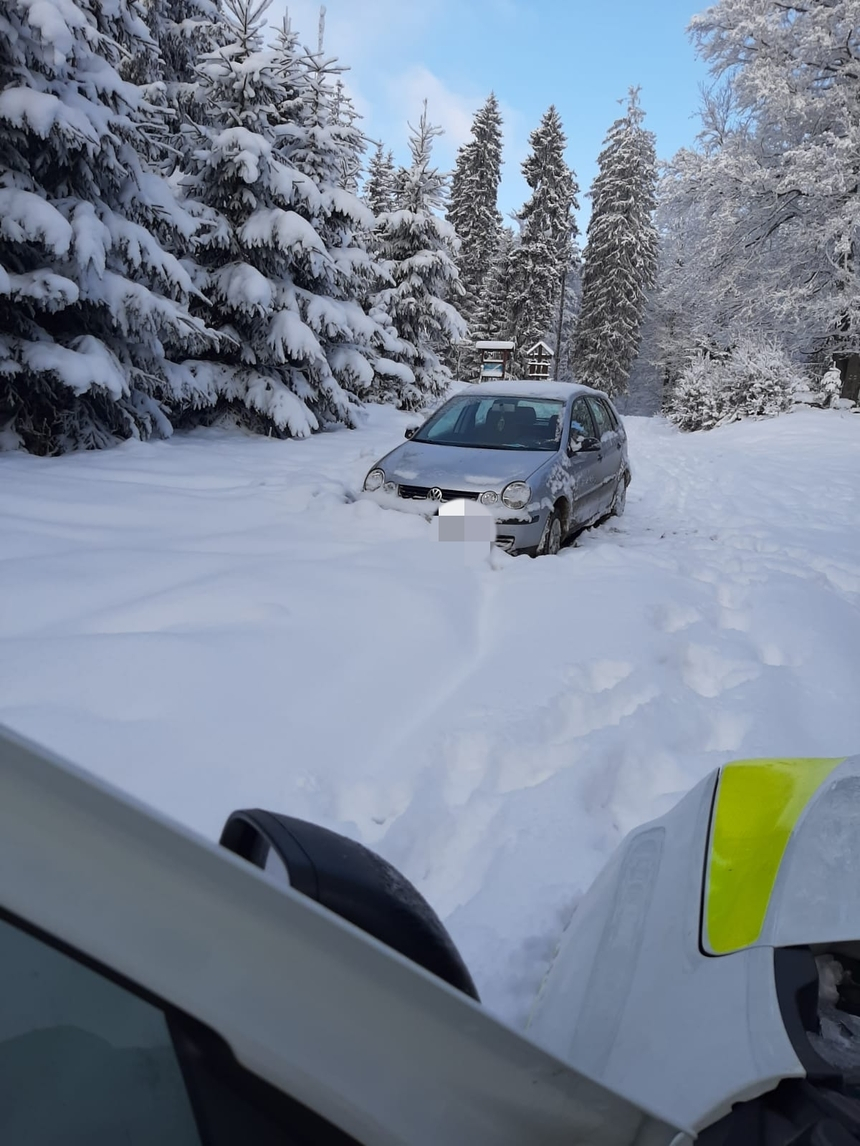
x=411, y=431
x=354, y=883
x=583, y=445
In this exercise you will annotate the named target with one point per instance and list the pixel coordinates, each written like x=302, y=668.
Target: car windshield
x=493, y=423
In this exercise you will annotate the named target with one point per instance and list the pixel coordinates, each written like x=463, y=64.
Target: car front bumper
x=516, y=531
x=521, y=536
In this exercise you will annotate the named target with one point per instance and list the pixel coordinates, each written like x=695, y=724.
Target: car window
x=496, y=422
x=613, y=417
x=601, y=417
x=581, y=422
x=83, y=1060
x=445, y=422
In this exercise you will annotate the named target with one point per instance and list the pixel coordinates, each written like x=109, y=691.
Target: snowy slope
x=212, y=623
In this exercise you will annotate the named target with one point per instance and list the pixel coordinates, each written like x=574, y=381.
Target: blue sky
x=581, y=55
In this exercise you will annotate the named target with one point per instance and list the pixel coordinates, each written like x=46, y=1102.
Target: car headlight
x=374, y=480
x=517, y=495
x=489, y=498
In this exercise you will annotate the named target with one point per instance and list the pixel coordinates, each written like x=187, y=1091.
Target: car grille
x=419, y=493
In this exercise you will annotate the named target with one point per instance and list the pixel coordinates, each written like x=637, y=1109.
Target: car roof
x=370, y=1041
x=557, y=391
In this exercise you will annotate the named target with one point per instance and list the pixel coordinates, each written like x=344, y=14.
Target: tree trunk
x=560, y=325
x=849, y=368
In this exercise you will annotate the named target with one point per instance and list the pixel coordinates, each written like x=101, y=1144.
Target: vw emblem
x=435, y=494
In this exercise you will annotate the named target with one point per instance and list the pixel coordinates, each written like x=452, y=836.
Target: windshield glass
x=495, y=424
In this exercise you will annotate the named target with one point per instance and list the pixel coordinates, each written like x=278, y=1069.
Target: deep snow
x=212, y=623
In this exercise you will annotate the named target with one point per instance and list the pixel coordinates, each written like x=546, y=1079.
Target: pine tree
x=547, y=231
x=380, y=185
x=620, y=262
x=329, y=146
x=418, y=249
x=184, y=31
x=472, y=205
x=320, y=138
x=695, y=401
x=565, y=321
x=273, y=284
x=92, y=304
x=494, y=317
x=756, y=378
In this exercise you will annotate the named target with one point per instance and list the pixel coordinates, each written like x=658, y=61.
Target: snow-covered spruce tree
x=319, y=137
x=274, y=287
x=754, y=379
x=620, y=259
x=547, y=232
x=329, y=145
x=184, y=31
x=494, y=317
x=91, y=302
x=759, y=380
x=380, y=184
x=473, y=207
x=564, y=324
x=418, y=248
x=695, y=402
x=829, y=386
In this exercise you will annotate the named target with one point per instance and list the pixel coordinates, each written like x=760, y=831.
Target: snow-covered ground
x=212, y=623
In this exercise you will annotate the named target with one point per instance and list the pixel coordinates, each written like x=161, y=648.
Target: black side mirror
x=355, y=884
x=583, y=445
x=411, y=431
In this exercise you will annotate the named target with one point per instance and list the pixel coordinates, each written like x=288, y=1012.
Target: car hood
x=460, y=467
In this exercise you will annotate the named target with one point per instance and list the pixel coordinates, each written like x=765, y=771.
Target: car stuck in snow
x=548, y=458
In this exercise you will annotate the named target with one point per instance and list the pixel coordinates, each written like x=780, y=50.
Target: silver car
x=549, y=459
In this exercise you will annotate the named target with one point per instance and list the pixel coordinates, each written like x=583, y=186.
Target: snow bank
x=216, y=622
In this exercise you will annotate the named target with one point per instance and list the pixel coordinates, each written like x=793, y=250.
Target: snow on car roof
x=560, y=391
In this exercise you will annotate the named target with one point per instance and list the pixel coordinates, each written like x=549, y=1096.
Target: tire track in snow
x=426, y=720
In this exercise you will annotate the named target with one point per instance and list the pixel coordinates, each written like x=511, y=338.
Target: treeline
x=191, y=229
x=188, y=232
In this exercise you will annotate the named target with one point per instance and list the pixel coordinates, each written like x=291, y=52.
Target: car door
x=609, y=462
x=584, y=465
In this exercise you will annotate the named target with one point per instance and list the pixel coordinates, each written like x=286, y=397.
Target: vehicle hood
x=456, y=467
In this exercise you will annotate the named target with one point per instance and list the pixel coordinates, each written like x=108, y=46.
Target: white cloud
x=451, y=110
x=361, y=31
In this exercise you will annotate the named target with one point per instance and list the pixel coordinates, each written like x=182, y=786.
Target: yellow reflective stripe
x=758, y=804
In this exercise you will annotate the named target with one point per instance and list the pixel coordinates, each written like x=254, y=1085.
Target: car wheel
x=619, y=502
x=550, y=543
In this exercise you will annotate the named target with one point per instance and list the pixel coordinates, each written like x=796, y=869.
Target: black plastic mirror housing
x=354, y=883
x=583, y=445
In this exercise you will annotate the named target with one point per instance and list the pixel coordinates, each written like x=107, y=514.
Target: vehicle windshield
x=492, y=423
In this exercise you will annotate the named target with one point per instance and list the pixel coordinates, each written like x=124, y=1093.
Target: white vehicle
x=288, y=986
x=159, y=990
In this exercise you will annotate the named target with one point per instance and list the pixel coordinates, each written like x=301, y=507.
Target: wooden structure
x=539, y=362
x=495, y=360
